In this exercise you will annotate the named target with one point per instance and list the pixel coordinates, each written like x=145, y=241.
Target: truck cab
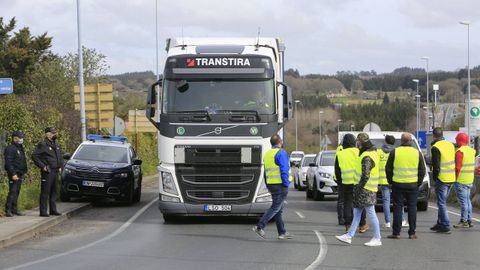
x=218, y=104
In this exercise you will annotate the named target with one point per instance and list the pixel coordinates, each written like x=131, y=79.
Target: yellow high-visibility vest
x=372, y=183
x=447, y=161
x=382, y=175
x=347, y=161
x=272, y=170
x=466, y=174
x=405, y=165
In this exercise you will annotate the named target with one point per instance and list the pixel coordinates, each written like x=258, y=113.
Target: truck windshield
x=219, y=96
x=102, y=153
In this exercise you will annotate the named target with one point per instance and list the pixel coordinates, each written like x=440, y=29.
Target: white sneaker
x=388, y=225
x=344, y=238
x=405, y=223
x=286, y=235
x=374, y=242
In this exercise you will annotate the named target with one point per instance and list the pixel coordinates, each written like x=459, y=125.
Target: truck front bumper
x=187, y=209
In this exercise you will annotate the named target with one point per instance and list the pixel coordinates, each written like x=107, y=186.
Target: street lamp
x=426, y=58
x=320, y=128
x=296, y=125
x=80, y=76
x=338, y=125
x=467, y=109
x=418, y=112
x=418, y=105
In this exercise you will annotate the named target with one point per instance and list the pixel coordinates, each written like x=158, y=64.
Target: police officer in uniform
x=48, y=157
x=16, y=167
x=278, y=177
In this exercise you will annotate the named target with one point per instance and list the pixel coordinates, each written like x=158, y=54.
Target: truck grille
x=227, y=179
x=218, y=195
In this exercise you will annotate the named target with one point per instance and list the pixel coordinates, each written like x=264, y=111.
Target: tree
x=386, y=99
x=94, y=66
x=357, y=85
x=21, y=54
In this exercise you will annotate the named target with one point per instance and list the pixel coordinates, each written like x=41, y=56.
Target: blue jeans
x=357, y=214
x=386, y=203
x=279, y=194
x=442, y=190
x=463, y=196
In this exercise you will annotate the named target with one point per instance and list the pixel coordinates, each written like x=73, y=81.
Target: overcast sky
x=322, y=36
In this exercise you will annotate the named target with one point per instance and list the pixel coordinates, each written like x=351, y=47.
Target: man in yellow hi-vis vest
x=443, y=168
x=464, y=171
x=405, y=170
x=278, y=178
x=365, y=191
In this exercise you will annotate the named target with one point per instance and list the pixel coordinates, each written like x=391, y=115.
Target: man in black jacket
x=16, y=167
x=405, y=171
x=48, y=157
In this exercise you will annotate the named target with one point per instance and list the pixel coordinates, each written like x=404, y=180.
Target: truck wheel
x=317, y=195
x=422, y=206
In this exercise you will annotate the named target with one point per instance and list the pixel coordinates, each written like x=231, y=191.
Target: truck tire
x=317, y=195
x=422, y=206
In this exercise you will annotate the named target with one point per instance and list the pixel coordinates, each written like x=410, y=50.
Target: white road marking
x=455, y=213
x=110, y=236
x=299, y=214
x=322, y=253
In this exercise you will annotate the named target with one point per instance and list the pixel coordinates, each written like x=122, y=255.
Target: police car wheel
x=64, y=197
x=317, y=195
x=138, y=193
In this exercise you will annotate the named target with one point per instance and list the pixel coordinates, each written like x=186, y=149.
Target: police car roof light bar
x=93, y=137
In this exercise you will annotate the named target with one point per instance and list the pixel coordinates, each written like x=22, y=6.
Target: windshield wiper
x=205, y=113
x=236, y=118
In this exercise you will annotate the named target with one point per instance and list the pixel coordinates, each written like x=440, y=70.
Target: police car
x=103, y=166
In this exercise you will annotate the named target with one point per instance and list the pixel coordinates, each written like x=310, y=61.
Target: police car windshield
x=328, y=159
x=102, y=153
x=219, y=96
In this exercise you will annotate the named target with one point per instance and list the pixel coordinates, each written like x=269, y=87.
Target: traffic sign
x=6, y=86
x=422, y=139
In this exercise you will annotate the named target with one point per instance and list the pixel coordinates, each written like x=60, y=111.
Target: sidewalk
x=17, y=229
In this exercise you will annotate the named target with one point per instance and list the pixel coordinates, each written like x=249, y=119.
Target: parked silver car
x=320, y=176
x=300, y=174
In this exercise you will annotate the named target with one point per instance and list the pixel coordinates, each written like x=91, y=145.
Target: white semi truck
x=216, y=107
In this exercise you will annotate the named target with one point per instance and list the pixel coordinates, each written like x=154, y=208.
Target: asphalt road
x=111, y=236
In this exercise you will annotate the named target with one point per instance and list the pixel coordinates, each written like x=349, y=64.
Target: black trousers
x=348, y=206
x=340, y=205
x=48, y=192
x=13, y=193
x=400, y=194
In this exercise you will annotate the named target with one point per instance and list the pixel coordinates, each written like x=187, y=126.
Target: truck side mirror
x=152, y=100
x=287, y=101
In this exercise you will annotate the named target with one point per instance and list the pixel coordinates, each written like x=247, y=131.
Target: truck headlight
x=263, y=189
x=264, y=199
x=168, y=184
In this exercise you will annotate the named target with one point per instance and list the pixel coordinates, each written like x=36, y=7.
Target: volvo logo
x=218, y=130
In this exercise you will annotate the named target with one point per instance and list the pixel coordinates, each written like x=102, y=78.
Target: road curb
x=41, y=226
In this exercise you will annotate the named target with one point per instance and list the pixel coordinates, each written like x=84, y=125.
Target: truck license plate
x=217, y=208
x=93, y=184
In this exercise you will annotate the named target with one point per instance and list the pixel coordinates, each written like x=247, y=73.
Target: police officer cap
x=50, y=129
x=17, y=134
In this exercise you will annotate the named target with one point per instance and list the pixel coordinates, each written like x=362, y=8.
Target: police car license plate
x=217, y=208
x=93, y=184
